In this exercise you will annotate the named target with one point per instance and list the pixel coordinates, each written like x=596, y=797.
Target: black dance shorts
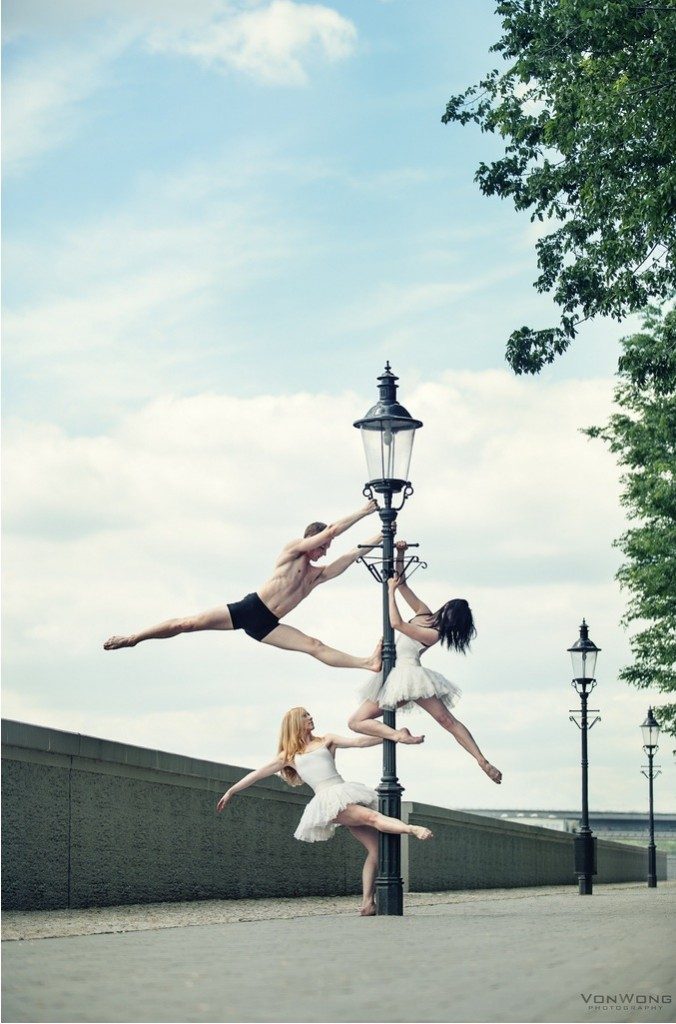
x=253, y=616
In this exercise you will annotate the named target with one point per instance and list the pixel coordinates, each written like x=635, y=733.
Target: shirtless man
x=258, y=614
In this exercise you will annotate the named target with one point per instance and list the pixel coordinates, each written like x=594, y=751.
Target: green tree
x=586, y=110
x=643, y=436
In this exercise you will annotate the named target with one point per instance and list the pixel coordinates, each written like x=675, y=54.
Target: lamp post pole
x=651, y=731
x=389, y=883
x=585, y=839
x=583, y=653
x=387, y=432
x=652, y=851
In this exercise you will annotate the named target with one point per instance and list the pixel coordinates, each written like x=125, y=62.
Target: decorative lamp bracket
x=583, y=686
x=590, y=725
x=406, y=492
x=374, y=563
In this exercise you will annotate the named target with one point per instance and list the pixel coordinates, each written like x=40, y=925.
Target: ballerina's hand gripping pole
x=304, y=757
x=409, y=683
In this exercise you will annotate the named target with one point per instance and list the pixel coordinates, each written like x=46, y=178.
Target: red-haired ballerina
x=304, y=757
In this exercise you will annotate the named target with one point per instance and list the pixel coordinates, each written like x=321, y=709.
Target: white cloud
x=184, y=505
x=274, y=43
x=271, y=43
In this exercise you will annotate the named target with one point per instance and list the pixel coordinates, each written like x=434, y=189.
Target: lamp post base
x=389, y=883
x=389, y=897
x=652, y=866
x=585, y=860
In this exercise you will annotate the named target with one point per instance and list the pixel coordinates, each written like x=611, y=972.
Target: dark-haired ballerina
x=409, y=683
x=259, y=613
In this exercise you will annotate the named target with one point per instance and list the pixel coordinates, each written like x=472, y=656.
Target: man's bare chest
x=301, y=577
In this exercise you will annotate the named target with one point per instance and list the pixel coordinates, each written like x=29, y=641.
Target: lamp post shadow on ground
x=651, y=733
x=583, y=656
x=388, y=431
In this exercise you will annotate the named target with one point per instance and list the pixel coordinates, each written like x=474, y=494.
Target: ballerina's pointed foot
x=368, y=909
x=421, y=833
x=493, y=773
x=114, y=642
x=375, y=662
x=406, y=736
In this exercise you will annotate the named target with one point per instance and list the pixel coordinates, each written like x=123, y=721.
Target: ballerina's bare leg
x=368, y=837
x=284, y=637
x=440, y=713
x=363, y=721
x=356, y=814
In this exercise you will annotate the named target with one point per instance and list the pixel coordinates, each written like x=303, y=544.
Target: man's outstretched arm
x=329, y=572
x=305, y=544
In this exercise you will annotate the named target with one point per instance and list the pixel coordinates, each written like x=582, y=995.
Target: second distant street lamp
x=651, y=734
x=583, y=655
x=387, y=431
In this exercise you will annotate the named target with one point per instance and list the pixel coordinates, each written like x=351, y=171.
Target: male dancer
x=258, y=614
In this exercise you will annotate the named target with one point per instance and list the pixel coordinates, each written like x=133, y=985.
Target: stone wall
x=471, y=851
x=89, y=822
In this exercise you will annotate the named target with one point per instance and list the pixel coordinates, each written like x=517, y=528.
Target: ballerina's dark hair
x=455, y=625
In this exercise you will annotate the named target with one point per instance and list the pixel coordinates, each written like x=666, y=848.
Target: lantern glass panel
x=651, y=733
x=388, y=449
x=584, y=663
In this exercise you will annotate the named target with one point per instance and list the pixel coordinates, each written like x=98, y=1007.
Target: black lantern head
x=650, y=730
x=583, y=655
x=387, y=431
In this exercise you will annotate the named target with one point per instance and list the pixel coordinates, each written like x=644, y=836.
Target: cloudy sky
x=220, y=220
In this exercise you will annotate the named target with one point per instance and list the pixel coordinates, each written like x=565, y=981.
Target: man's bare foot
x=368, y=909
x=114, y=642
x=493, y=773
x=421, y=833
x=405, y=736
x=375, y=662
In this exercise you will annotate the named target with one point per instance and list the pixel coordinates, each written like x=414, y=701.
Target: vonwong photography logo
x=622, y=1001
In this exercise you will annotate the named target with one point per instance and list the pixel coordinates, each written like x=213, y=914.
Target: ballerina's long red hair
x=292, y=741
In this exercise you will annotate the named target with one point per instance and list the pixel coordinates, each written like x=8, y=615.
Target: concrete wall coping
x=444, y=814
x=72, y=744
x=56, y=741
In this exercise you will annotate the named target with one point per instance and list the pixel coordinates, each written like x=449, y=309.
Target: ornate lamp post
x=651, y=733
x=583, y=655
x=387, y=431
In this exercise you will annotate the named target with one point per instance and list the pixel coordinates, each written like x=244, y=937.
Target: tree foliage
x=643, y=436
x=586, y=110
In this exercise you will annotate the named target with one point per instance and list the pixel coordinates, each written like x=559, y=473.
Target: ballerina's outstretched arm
x=271, y=768
x=425, y=634
x=338, y=742
x=412, y=600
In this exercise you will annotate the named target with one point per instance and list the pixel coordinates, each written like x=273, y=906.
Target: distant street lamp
x=388, y=431
x=651, y=733
x=583, y=655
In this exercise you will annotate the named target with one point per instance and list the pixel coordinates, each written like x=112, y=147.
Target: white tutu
x=406, y=682
x=331, y=798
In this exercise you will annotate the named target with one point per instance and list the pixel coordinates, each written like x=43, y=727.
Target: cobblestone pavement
x=44, y=924
x=486, y=955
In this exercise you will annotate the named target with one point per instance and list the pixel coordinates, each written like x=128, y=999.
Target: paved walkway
x=486, y=955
